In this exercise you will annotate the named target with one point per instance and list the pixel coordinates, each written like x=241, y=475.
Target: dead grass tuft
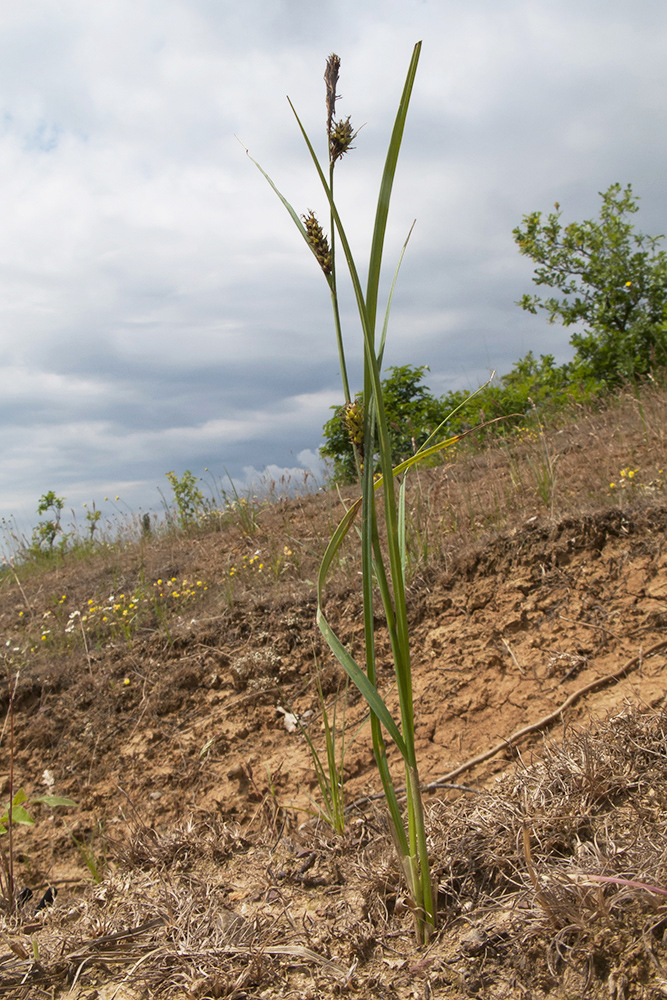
x=525, y=867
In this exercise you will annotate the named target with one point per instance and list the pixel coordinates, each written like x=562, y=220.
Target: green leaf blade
x=386, y=185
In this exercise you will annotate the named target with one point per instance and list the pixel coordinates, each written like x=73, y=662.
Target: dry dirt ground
x=539, y=658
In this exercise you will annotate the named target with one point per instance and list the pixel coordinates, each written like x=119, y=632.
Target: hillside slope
x=151, y=685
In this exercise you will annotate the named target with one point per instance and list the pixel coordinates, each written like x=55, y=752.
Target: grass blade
x=386, y=186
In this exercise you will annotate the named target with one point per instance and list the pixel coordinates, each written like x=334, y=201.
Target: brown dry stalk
x=133, y=932
x=85, y=646
x=542, y=899
x=27, y=602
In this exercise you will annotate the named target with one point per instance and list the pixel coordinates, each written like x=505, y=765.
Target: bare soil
x=539, y=656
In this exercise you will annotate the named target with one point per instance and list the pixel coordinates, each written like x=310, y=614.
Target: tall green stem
x=334, y=298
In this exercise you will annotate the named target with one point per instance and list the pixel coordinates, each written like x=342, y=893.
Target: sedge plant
x=383, y=562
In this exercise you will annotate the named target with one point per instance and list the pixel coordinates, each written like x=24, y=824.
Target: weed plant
x=93, y=851
x=189, y=499
x=329, y=765
x=17, y=808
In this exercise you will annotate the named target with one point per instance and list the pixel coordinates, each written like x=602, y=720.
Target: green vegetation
x=16, y=811
x=189, y=499
x=197, y=505
x=329, y=765
x=13, y=812
x=613, y=282
x=46, y=532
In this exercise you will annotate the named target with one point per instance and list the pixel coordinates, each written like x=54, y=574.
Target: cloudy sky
x=158, y=309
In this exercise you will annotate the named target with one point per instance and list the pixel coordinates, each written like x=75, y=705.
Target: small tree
x=190, y=500
x=613, y=282
x=47, y=531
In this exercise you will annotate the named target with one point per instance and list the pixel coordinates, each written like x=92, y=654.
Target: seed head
x=354, y=422
x=341, y=135
x=318, y=241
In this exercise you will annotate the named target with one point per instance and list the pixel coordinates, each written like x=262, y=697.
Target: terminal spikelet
x=331, y=81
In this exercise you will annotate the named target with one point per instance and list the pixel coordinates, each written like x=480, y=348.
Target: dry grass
x=532, y=856
x=478, y=492
x=203, y=911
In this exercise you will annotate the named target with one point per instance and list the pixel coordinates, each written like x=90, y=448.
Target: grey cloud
x=155, y=300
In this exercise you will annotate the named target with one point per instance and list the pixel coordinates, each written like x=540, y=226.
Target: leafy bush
x=413, y=413
x=613, y=282
x=190, y=501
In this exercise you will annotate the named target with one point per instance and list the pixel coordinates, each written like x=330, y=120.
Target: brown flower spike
x=340, y=133
x=331, y=81
x=318, y=241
